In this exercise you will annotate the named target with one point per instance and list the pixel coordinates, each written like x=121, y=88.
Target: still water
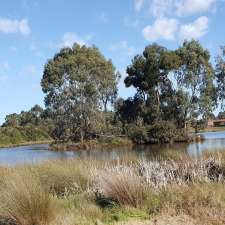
x=37, y=153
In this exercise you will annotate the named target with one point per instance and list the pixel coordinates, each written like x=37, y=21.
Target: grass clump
x=63, y=177
x=123, y=186
x=25, y=201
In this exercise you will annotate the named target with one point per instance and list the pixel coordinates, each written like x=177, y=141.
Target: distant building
x=216, y=123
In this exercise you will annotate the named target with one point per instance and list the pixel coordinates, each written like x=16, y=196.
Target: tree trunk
x=81, y=136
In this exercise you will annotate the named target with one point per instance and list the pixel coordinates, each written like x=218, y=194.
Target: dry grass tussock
x=24, y=200
x=63, y=176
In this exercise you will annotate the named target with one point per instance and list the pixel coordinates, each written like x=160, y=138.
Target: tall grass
x=123, y=185
x=61, y=177
x=70, y=192
x=24, y=200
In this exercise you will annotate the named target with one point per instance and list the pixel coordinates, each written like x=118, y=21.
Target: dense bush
x=162, y=132
x=137, y=134
x=18, y=135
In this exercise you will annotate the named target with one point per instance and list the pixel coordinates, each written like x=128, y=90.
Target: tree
x=34, y=116
x=78, y=83
x=221, y=115
x=12, y=120
x=220, y=75
x=195, y=76
x=149, y=72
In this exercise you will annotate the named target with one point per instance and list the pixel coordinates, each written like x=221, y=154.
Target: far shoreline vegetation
x=176, y=92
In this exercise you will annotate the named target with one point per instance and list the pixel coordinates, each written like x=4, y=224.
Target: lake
x=37, y=153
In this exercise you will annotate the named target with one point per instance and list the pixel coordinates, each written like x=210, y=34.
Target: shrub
x=18, y=135
x=162, y=132
x=138, y=134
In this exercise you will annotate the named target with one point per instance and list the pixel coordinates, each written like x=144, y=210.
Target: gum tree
x=79, y=83
x=195, y=77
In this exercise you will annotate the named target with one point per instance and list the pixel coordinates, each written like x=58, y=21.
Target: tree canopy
x=78, y=83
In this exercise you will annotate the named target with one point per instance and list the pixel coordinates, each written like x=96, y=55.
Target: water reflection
x=30, y=154
x=37, y=153
x=213, y=141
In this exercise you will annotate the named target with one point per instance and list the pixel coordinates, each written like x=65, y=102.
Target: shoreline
x=26, y=143
x=109, y=143
x=93, y=144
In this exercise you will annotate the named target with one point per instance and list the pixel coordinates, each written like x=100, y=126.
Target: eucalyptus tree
x=148, y=73
x=78, y=82
x=195, y=76
x=220, y=75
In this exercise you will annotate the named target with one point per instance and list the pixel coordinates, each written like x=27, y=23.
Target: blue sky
x=32, y=31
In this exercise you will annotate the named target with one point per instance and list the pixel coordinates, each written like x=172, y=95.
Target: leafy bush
x=162, y=132
x=19, y=135
x=138, y=134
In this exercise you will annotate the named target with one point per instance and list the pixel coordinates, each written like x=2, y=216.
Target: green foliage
x=138, y=134
x=196, y=76
x=166, y=109
x=174, y=89
x=162, y=132
x=220, y=74
x=221, y=115
x=19, y=135
x=78, y=82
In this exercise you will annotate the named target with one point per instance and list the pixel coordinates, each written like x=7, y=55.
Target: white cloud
x=194, y=30
x=14, y=26
x=188, y=7
x=70, y=38
x=162, y=28
x=124, y=46
x=138, y=4
x=160, y=8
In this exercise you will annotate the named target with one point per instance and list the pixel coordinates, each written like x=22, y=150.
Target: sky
x=32, y=31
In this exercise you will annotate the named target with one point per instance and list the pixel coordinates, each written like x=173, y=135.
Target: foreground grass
x=162, y=191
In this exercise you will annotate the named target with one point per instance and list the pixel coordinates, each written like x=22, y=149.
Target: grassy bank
x=26, y=143
x=100, y=143
x=128, y=191
x=214, y=129
x=16, y=136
